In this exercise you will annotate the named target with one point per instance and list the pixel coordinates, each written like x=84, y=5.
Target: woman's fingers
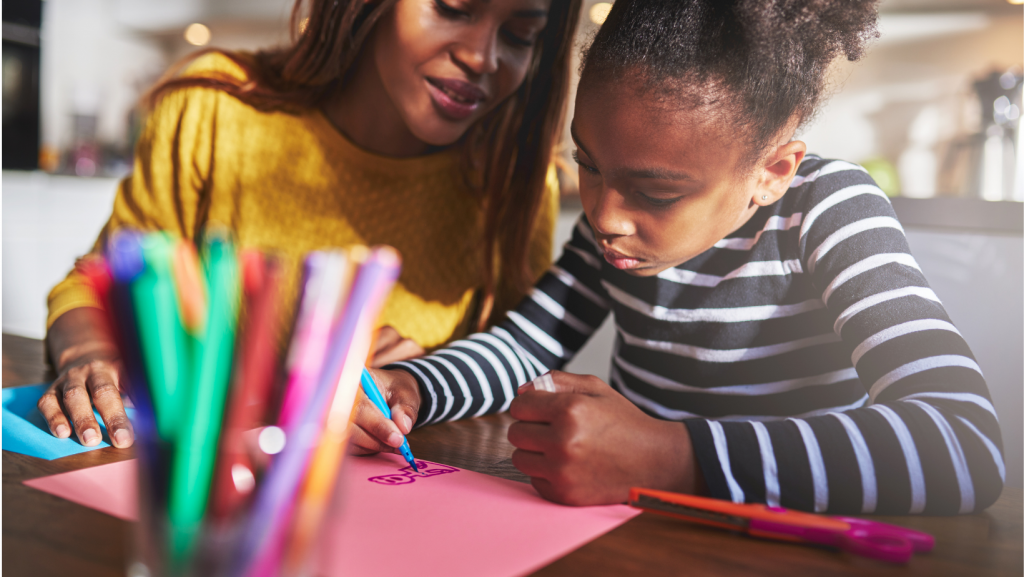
x=106, y=396
x=68, y=404
x=49, y=407
x=75, y=398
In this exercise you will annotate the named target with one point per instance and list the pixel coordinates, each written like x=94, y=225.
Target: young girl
x=776, y=341
x=427, y=125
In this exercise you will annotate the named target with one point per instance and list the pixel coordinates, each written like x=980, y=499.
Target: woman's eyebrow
x=651, y=173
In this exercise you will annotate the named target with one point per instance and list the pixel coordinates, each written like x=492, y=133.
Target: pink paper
x=111, y=488
x=390, y=521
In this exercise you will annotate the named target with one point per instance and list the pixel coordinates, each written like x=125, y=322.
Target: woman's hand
x=392, y=347
x=371, y=432
x=89, y=369
x=587, y=445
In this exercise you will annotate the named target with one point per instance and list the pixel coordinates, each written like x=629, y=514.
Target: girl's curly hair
x=762, y=63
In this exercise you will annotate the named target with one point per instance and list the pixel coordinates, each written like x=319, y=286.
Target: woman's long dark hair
x=506, y=153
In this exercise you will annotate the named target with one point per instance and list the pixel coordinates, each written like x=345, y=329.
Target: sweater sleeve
x=481, y=374
x=927, y=440
x=165, y=191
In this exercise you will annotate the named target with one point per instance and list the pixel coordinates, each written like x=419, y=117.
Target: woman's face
x=661, y=184
x=446, y=63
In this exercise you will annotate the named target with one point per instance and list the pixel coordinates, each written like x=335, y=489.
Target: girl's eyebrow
x=651, y=173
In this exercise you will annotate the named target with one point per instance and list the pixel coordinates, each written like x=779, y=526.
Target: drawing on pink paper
x=463, y=525
x=408, y=475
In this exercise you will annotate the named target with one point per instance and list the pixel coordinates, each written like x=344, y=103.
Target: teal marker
x=196, y=451
x=371, y=390
x=161, y=333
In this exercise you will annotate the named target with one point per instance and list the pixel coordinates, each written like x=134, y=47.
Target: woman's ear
x=777, y=172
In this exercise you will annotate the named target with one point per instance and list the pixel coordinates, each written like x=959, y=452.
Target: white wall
x=99, y=56
x=48, y=222
x=90, y=64
x=914, y=83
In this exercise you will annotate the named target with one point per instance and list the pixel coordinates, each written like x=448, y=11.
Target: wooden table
x=44, y=535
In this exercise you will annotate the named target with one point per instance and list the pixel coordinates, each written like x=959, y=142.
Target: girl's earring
x=764, y=197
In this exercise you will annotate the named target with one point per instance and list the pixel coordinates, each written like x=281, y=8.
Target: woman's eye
x=448, y=11
x=659, y=202
x=516, y=40
x=585, y=167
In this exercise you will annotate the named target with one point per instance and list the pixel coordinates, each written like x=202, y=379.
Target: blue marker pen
x=371, y=390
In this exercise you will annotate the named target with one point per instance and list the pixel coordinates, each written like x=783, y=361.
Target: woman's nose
x=478, y=49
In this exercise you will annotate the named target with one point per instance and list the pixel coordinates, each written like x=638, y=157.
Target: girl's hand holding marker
x=371, y=432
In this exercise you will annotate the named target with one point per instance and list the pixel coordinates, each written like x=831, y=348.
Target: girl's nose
x=477, y=51
x=609, y=216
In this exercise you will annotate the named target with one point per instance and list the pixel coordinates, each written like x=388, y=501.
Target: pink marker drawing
x=407, y=475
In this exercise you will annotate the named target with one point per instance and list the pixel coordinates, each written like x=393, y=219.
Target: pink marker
x=326, y=285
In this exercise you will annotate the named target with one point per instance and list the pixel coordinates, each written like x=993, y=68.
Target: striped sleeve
x=481, y=374
x=926, y=441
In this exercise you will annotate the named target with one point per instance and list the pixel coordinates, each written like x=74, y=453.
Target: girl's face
x=446, y=63
x=660, y=185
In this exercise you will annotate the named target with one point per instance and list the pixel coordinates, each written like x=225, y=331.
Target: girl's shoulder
x=822, y=182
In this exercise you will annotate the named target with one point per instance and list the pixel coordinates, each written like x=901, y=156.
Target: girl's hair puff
x=758, y=63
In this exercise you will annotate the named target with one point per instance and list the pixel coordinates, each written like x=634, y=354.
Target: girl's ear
x=778, y=171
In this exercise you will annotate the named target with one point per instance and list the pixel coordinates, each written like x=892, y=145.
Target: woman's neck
x=362, y=111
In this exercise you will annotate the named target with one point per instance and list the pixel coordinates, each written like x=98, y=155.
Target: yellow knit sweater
x=291, y=184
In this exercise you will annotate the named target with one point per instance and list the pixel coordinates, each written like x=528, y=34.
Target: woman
x=423, y=124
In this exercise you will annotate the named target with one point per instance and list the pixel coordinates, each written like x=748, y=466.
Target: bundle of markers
x=197, y=332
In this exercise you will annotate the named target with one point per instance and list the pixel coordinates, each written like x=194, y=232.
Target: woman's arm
x=163, y=193
x=88, y=373
x=926, y=441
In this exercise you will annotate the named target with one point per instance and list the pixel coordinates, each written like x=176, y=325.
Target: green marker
x=161, y=332
x=196, y=451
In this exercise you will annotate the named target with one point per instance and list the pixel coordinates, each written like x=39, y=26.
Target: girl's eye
x=449, y=11
x=659, y=202
x=585, y=167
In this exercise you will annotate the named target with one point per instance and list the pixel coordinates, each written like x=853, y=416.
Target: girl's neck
x=362, y=111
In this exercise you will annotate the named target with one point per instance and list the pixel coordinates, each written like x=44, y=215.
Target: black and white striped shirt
x=811, y=363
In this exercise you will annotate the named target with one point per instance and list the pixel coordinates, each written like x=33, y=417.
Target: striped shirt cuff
x=425, y=396
x=703, y=441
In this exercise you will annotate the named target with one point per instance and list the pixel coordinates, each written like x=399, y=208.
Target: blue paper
x=25, y=431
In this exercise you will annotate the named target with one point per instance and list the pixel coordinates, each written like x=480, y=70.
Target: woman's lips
x=621, y=261
x=455, y=99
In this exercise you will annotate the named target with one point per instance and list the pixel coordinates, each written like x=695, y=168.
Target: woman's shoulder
x=203, y=102
x=218, y=64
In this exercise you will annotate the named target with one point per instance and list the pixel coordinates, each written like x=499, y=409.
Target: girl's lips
x=621, y=261
x=455, y=99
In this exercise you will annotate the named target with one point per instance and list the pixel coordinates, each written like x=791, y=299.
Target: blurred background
x=933, y=112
